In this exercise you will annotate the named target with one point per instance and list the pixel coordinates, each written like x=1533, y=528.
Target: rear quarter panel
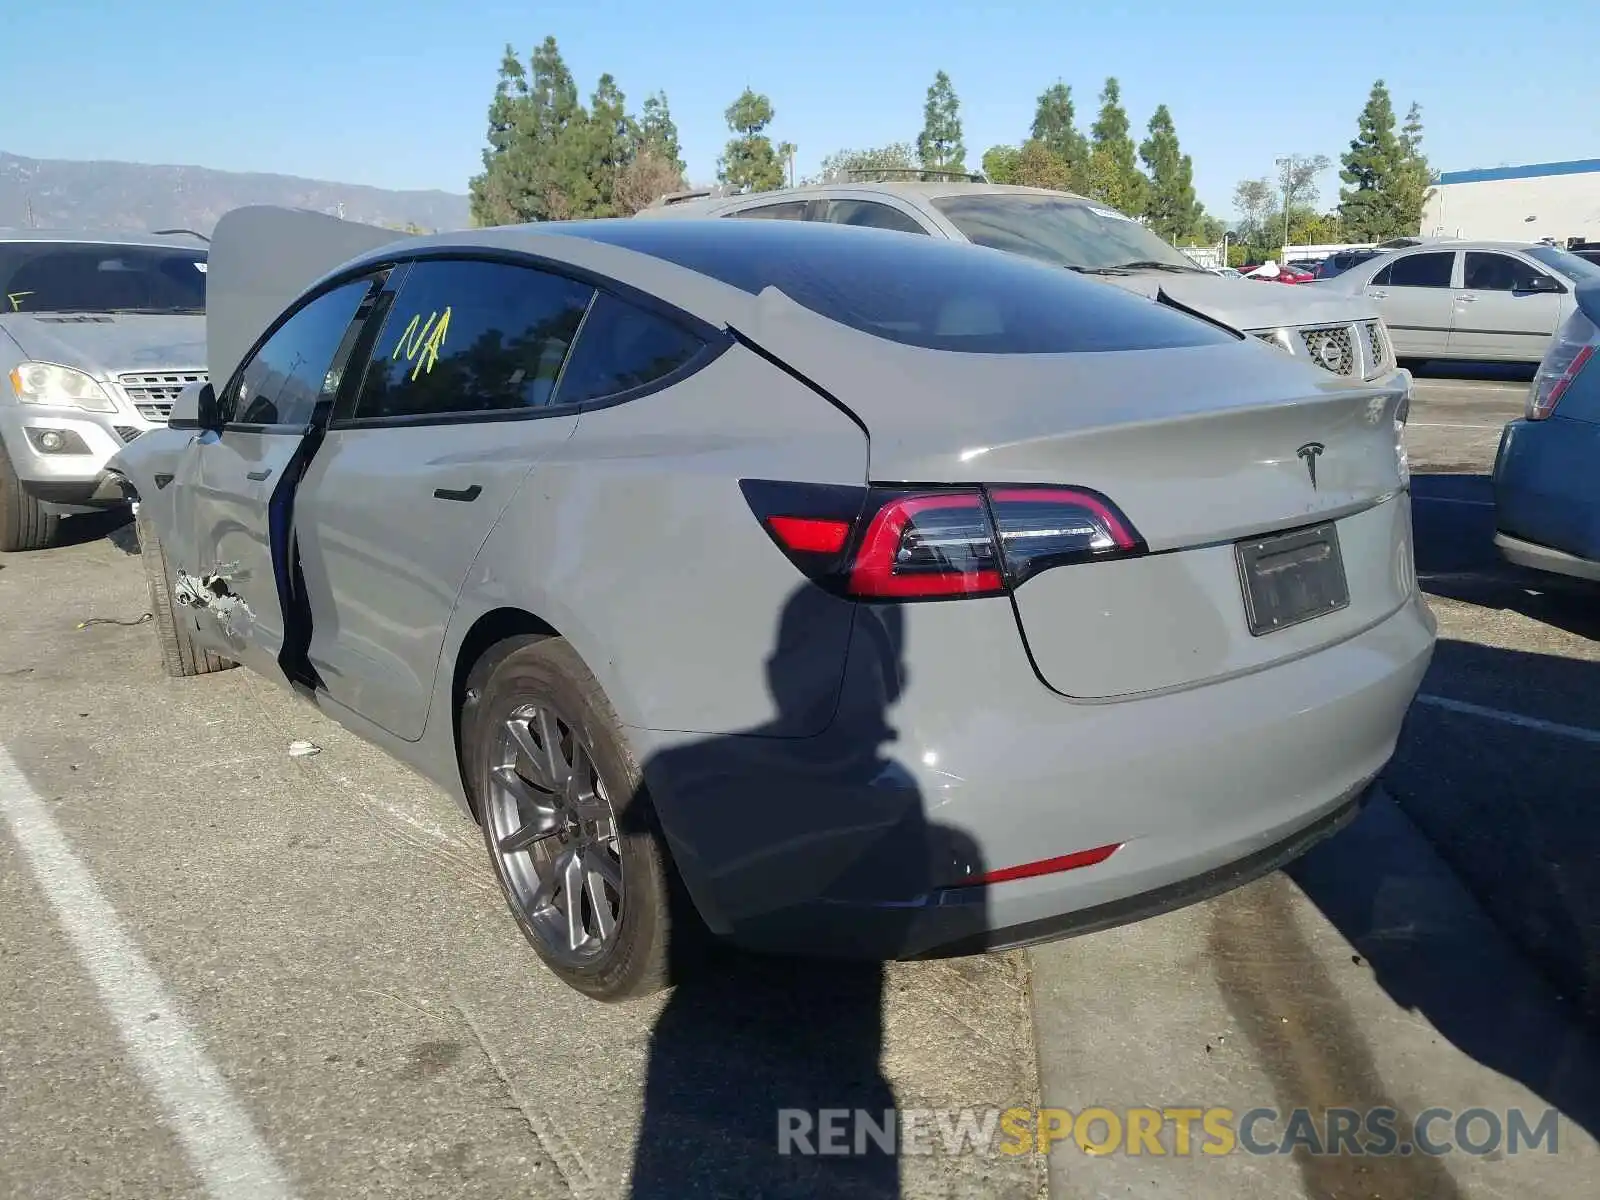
x=634, y=541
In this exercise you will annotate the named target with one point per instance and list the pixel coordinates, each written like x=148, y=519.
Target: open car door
x=276, y=356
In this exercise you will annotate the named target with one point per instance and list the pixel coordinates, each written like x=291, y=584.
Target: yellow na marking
x=422, y=345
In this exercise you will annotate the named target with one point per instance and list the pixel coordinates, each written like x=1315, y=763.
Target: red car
x=1272, y=272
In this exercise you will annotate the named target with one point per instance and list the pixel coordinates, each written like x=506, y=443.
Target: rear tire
x=180, y=655
x=602, y=827
x=24, y=525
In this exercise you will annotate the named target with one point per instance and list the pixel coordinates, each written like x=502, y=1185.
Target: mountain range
x=48, y=193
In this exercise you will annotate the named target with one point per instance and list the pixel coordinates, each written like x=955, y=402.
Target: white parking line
x=1448, y=425
x=1510, y=718
x=224, y=1148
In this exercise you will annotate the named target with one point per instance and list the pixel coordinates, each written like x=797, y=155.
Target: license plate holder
x=1290, y=578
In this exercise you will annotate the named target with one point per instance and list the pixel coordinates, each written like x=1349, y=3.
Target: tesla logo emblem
x=1309, y=453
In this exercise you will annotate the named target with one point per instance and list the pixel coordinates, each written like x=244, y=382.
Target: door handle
x=1379, y=295
x=1465, y=299
x=466, y=495
x=258, y=476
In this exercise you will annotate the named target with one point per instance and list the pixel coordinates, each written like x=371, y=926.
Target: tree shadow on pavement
x=834, y=820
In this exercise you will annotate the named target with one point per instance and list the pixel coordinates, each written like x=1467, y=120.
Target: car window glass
x=1421, y=270
x=55, y=277
x=466, y=336
x=927, y=292
x=793, y=210
x=1057, y=230
x=283, y=380
x=1575, y=267
x=623, y=347
x=1499, y=273
x=868, y=212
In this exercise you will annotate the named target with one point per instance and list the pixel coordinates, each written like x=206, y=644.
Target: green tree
x=939, y=146
x=1000, y=163
x=1416, y=181
x=1041, y=167
x=1256, y=201
x=1055, y=125
x=870, y=166
x=657, y=134
x=1209, y=229
x=1383, y=198
x=1113, y=172
x=1170, y=205
x=749, y=162
x=612, y=142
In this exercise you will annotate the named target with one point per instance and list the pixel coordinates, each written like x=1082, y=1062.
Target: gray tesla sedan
x=824, y=590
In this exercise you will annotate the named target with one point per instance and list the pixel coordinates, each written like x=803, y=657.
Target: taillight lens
x=925, y=544
x=1568, y=354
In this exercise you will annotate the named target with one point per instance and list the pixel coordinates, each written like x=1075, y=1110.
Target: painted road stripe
x=1510, y=718
x=1448, y=425
x=224, y=1148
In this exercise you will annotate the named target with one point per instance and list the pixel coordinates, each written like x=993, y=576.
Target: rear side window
x=284, y=379
x=789, y=211
x=873, y=214
x=1418, y=270
x=466, y=337
x=927, y=292
x=622, y=348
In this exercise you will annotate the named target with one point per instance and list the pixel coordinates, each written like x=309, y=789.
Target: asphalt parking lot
x=229, y=972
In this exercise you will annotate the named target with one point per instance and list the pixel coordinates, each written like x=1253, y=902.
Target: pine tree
x=1113, y=174
x=1170, y=205
x=1373, y=207
x=939, y=146
x=748, y=161
x=1416, y=177
x=657, y=134
x=1054, y=125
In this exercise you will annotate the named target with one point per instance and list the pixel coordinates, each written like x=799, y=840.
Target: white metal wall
x=1523, y=210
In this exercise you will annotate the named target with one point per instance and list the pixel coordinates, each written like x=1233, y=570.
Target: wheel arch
x=488, y=631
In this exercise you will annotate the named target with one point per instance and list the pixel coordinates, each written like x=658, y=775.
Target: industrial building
x=1556, y=201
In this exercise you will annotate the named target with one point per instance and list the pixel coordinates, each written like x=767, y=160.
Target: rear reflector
x=1045, y=866
x=927, y=544
x=810, y=535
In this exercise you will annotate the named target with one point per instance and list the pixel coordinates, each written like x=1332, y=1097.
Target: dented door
x=236, y=487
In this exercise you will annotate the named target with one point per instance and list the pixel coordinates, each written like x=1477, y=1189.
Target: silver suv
x=98, y=334
x=1340, y=333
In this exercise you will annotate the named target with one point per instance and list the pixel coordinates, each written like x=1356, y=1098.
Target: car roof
x=185, y=238
x=1465, y=244
x=915, y=188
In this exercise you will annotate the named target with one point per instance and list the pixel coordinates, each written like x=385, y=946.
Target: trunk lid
x=1199, y=447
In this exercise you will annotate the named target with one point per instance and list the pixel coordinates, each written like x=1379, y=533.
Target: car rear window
x=927, y=292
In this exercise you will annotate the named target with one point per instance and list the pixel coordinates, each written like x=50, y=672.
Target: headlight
x=59, y=387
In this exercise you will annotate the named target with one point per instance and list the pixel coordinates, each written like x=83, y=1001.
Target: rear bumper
x=857, y=845
x=1544, y=558
x=1547, y=501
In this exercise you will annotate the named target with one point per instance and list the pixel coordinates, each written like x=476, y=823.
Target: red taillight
x=810, y=535
x=938, y=544
x=1554, y=378
x=926, y=544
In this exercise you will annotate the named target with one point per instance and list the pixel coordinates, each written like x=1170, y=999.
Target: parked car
x=98, y=332
x=1341, y=261
x=1272, y=271
x=1546, y=498
x=831, y=590
x=1336, y=333
x=1487, y=301
x=1588, y=253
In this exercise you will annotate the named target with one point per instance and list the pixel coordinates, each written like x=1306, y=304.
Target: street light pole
x=1284, y=177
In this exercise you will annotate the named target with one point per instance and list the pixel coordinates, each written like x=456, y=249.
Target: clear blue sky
x=395, y=94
